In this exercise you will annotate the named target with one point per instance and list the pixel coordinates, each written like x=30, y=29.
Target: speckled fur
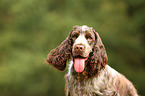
x=97, y=78
x=108, y=83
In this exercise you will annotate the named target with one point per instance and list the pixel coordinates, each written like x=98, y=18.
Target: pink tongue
x=79, y=64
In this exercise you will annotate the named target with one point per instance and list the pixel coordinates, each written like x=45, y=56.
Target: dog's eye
x=88, y=37
x=75, y=35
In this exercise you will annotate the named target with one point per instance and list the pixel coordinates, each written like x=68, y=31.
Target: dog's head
x=84, y=45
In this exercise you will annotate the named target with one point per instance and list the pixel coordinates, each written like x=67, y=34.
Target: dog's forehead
x=83, y=28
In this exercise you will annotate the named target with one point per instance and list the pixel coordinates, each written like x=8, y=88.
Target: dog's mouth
x=79, y=63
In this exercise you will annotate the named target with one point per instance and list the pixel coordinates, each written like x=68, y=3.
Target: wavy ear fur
x=60, y=55
x=98, y=58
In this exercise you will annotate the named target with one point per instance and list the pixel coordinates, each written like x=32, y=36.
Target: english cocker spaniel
x=88, y=72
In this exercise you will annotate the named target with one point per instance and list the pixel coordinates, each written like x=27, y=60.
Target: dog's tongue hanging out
x=79, y=64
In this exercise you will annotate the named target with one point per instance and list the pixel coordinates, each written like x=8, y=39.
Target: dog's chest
x=77, y=88
x=102, y=85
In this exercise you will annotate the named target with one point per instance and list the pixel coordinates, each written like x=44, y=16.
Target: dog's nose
x=79, y=48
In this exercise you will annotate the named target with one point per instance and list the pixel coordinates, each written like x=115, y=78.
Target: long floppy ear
x=101, y=51
x=60, y=55
x=98, y=58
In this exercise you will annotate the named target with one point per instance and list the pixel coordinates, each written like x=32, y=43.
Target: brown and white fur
x=88, y=72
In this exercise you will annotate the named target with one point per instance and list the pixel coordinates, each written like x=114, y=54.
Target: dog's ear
x=59, y=56
x=98, y=58
x=100, y=50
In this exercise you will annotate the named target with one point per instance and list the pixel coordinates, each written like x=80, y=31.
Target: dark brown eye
x=75, y=35
x=88, y=37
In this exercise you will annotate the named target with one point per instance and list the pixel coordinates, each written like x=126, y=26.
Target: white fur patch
x=70, y=62
x=84, y=28
x=113, y=71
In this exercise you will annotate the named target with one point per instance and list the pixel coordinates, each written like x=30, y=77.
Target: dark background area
x=29, y=29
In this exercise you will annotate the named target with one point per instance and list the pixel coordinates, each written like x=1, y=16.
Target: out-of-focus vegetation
x=29, y=29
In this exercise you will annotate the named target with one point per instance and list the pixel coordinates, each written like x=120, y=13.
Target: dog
x=89, y=73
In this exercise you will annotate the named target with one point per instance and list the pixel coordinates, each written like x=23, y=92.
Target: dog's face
x=83, y=39
x=85, y=46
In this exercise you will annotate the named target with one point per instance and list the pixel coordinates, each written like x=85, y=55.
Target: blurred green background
x=29, y=29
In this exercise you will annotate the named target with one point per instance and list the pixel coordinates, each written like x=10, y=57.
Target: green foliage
x=29, y=29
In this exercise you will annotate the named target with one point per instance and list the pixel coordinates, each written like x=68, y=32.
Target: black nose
x=79, y=48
